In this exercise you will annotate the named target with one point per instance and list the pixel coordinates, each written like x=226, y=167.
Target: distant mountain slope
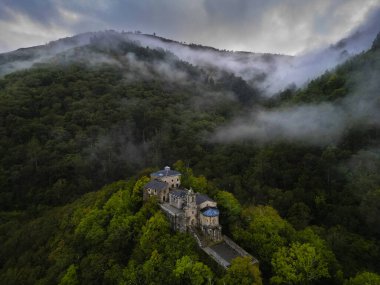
x=270, y=72
x=61, y=118
x=187, y=52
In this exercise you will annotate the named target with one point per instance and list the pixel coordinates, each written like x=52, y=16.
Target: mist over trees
x=300, y=195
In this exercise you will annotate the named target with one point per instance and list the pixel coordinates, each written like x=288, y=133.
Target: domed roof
x=210, y=212
x=165, y=172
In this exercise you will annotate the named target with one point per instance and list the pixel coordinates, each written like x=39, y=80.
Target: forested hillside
x=73, y=126
x=113, y=109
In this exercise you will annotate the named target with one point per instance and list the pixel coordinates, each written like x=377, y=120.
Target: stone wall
x=173, y=181
x=236, y=247
x=209, y=221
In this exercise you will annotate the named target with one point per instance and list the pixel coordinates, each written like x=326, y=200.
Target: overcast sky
x=276, y=26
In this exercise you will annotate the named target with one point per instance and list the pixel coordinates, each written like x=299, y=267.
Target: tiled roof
x=179, y=193
x=157, y=185
x=200, y=198
x=210, y=212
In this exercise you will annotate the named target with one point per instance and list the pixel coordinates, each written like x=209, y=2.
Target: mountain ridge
x=270, y=72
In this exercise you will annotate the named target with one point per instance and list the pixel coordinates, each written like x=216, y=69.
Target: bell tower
x=191, y=209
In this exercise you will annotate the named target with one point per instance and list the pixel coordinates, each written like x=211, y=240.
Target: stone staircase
x=201, y=243
x=222, y=251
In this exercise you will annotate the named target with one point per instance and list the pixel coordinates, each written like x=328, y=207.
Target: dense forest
x=106, y=114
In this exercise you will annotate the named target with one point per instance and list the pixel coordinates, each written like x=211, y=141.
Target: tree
x=264, y=233
x=153, y=269
x=186, y=173
x=33, y=150
x=192, y=272
x=364, y=278
x=154, y=233
x=308, y=235
x=120, y=234
x=70, y=277
x=132, y=274
x=121, y=202
x=242, y=272
x=229, y=206
x=91, y=229
x=370, y=210
x=137, y=189
x=299, y=215
x=188, y=179
x=299, y=264
x=199, y=183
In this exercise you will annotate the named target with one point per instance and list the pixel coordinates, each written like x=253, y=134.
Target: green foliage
x=242, y=272
x=189, y=180
x=70, y=278
x=330, y=86
x=264, y=232
x=156, y=229
x=69, y=127
x=230, y=208
x=299, y=215
x=309, y=236
x=370, y=209
x=91, y=230
x=190, y=272
x=299, y=264
x=354, y=252
x=97, y=233
x=364, y=278
x=152, y=269
x=199, y=183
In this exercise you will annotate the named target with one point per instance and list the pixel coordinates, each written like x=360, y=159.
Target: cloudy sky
x=276, y=26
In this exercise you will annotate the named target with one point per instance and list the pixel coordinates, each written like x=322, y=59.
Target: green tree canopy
x=229, y=206
x=192, y=272
x=242, y=272
x=298, y=264
x=154, y=233
x=263, y=232
x=364, y=278
x=70, y=278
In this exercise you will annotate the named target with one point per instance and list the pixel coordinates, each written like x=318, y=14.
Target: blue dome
x=210, y=212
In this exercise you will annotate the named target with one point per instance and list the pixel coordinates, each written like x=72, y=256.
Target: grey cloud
x=321, y=124
x=270, y=74
x=302, y=68
x=280, y=71
x=315, y=124
x=44, y=12
x=287, y=26
x=233, y=11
